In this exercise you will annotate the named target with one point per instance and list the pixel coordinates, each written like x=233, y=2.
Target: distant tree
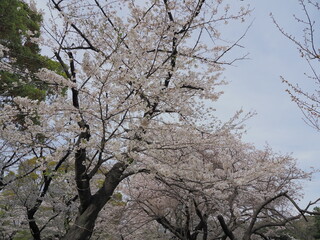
x=301, y=229
x=217, y=191
x=316, y=233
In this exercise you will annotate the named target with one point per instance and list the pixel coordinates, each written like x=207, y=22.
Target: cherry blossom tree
x=140, y=79
x=136, y=73
x=220, y=189
x=307, y=100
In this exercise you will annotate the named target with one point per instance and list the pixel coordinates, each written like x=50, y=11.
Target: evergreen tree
x=19, y=25
x=316, y=234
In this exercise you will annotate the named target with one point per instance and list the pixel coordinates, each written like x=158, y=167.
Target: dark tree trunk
x=84, y=224
x=83, y=227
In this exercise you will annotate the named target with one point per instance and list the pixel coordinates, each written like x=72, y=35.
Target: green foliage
x=316, y=225
x=282, y=237
x=18, y=26
x=17, y=20
x=22, y=235
x=116, y=199
x=13, y=85
x=302, y=229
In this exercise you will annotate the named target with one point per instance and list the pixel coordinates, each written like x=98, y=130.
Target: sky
x=255, y=85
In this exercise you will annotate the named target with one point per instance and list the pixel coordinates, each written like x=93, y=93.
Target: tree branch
x=225, y=228
x=56, y=5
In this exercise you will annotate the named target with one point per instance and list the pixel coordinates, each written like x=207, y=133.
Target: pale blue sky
x=255, y=85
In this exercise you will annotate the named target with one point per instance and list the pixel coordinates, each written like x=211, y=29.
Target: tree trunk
x=84, y=224
x=83, y=227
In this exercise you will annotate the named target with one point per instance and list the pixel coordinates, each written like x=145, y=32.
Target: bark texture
x=83, y=227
